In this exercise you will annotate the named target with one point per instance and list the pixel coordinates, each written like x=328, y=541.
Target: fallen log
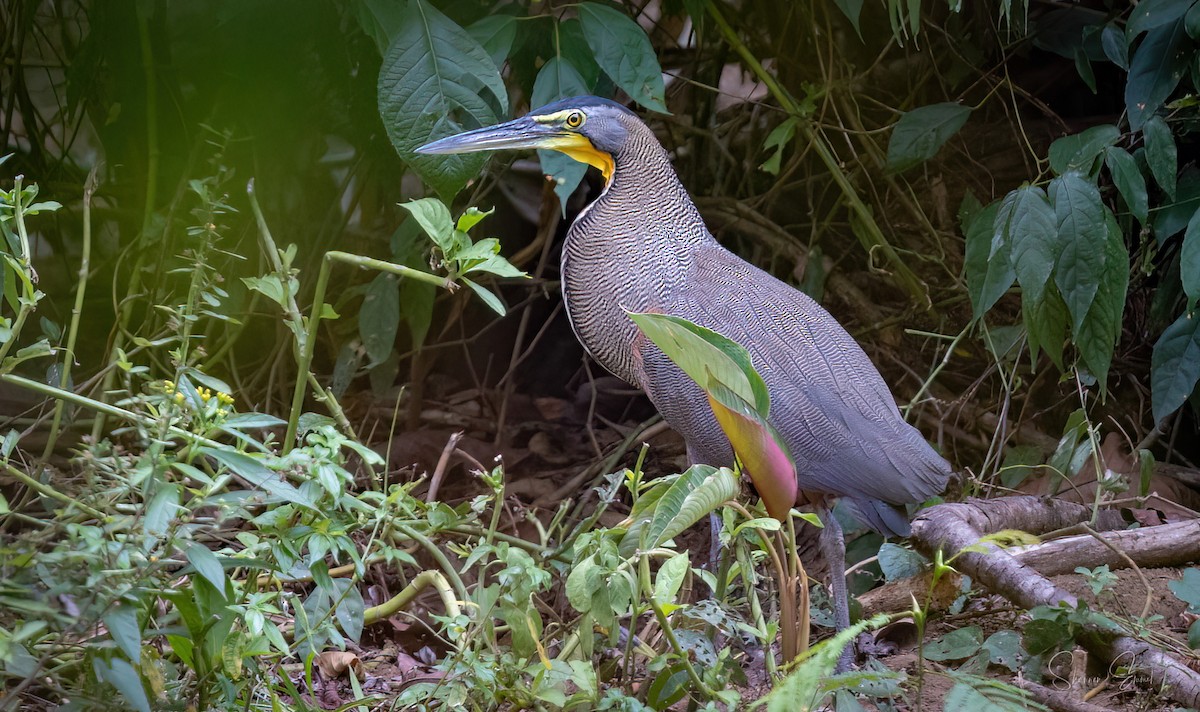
x=1167, y=545
x=954, y=527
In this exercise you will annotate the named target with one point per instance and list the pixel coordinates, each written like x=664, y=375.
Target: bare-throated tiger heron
x=643, y=247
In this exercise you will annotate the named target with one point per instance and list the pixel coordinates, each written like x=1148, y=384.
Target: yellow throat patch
x=581, y=149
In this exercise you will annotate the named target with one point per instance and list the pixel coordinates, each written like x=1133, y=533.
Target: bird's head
x=587, y=128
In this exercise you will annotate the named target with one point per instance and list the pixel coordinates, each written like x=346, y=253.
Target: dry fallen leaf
x=334, y=663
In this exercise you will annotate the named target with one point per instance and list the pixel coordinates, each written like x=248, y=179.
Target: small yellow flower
x=224, y=398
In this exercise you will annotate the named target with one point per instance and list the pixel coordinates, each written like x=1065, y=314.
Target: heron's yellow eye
x=574, y=120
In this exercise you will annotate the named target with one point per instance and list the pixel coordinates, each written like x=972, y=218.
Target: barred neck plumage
x=628, y=250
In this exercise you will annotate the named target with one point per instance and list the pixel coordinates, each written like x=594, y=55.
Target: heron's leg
x=833, y=548
x=714, y=544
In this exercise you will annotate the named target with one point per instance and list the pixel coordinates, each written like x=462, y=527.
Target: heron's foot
x=868, y=646
x=864, y=647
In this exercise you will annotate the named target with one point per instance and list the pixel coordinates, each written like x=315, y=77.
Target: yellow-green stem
x=76, y=312
x=314, y=321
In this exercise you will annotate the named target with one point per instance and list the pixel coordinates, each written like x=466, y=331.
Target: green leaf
x=1170, y=220
x=437, y=81
x=1004, y=648
x=1080, y=151
x=573, y=48
x=1175, y=365
x=1027, y=223
x=121, y=675
x=379, y=317
x=495, y=33
x=778, y=139
x=252, y=421
x=161, y=509
x=434, y=218
x=470, y=218
x=258, y=475
x=1189, y=260
x=268, y=285
x=1046, y=325
x=802, y=689
x=122, y=623
x=920, y=133
x=489, y=298
x=1155, y=70
x=704, y=355
x=1083, y=66
x=1041, y=635
x=1129, y=181
x=758, y=447
x=624, y=52
x=1112, y=42
x=957, y=644
x=677, y=504
x=1081, y=236
x=898, y=562
x=558, y=79
x=988, y=265
x=670, y=577
x=1149, y=14
x=380, y=19
x=851, y=9
x=207, y=565
x=1191, y=22
x=979, y=694
x=416, y=302
x=1160, y=153
x=1096, y=337
x=350, y=609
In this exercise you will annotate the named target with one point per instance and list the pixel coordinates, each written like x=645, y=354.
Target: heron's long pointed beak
x=518, y=133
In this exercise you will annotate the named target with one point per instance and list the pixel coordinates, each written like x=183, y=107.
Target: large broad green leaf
x=1097, y=335
x=624, y=52
x=1169, y=220
x=1079, y=152
x=495, y=33
x=1189, y=260
x=434, y=218
x=258, y=475
x=988, y=264
x=958, y=644
x=573, y=47
x=1160, y=153
x=705, y=356
x=1081, y=237
x=1129, y=181
x=1191, y=22
x=1158, y=64
x=1046, y=324
x=121, y=675
x=920, y=133
x=1154, y=13
x=380, y=19
x=379, y=317
x=738, y=398
x=1175, y=365
x=1112, y=42
x=436, y=81
x=1027, y=223
x=558, y=79
x=685, y=500
x=759, y=448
